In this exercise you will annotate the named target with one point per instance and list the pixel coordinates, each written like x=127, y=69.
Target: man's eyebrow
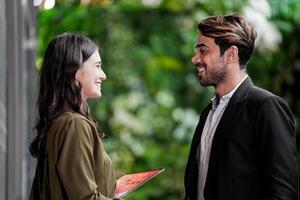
x=98, y=62
x=200, y=45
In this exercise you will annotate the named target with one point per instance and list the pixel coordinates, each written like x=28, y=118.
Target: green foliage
x=151, y=98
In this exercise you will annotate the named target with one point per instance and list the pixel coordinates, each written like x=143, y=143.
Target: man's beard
x=213, y=77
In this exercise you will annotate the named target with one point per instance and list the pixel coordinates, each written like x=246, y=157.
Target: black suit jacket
x=253, y=153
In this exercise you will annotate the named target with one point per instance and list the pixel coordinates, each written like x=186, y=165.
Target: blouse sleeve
x=76, y=163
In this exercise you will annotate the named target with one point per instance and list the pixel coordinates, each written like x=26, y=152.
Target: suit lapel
x=229, y=117
x=199, y=129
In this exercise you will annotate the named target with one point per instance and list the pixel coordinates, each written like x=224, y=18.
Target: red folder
x=130, y=182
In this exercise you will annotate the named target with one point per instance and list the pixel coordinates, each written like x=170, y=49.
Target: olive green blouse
x=76, y=165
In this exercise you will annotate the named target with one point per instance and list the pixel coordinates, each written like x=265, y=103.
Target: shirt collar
x=216, y=99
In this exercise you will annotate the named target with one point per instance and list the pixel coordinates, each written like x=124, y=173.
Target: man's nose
x=195, y=58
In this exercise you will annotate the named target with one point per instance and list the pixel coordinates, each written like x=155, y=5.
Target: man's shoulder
x=258, y=94
x=261, y=93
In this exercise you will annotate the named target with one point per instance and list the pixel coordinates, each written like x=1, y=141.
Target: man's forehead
x=204, y=41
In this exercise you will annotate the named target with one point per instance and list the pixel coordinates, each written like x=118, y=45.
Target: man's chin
x=205, y=83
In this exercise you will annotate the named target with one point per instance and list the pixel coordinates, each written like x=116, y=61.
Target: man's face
x=211, y=66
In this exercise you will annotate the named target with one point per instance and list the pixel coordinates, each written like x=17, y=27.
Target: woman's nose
x=102, y=75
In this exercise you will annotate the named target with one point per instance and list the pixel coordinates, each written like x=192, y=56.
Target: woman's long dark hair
x=59, y=90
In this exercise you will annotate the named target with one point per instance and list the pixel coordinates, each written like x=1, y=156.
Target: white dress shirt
x=219, y=104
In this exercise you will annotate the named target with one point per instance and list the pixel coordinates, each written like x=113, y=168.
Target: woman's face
x=91, y=76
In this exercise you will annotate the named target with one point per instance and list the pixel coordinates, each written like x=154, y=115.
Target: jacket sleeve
x=277, y=149
x=76, y=163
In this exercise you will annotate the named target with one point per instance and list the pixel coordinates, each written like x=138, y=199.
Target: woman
x=72, y=163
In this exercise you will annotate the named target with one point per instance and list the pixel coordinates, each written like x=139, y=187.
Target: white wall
x=17, y=96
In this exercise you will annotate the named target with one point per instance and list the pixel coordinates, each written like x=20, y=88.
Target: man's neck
x=230, y=83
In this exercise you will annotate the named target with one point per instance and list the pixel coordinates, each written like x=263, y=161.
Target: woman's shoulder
x=73, y=126
x=70, y=117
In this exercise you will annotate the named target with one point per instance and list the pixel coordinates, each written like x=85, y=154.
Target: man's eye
x=202, y=51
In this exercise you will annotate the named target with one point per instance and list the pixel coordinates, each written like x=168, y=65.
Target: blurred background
x=151, y=98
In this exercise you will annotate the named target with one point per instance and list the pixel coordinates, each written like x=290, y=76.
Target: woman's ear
x=232, y=55
x=77, y=75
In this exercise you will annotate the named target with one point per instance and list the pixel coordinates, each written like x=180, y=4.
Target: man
x=244, y=146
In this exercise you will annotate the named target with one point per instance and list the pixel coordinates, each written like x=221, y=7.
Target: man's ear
x=232, y=55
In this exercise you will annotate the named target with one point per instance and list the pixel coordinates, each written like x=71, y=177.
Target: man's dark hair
x=231, y=30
